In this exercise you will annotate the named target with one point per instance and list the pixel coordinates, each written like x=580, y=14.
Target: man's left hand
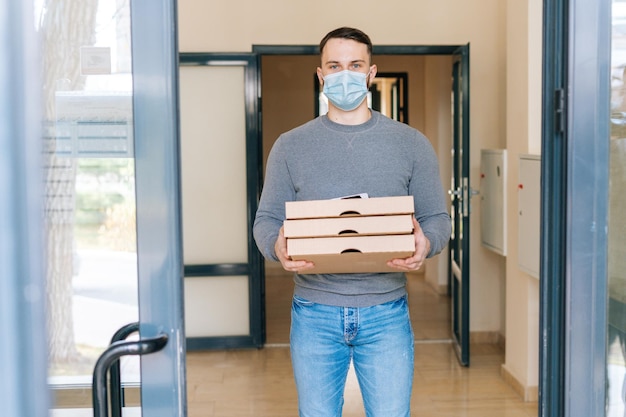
x=422, y=248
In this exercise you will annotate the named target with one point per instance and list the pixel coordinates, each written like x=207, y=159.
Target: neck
x=357, y=116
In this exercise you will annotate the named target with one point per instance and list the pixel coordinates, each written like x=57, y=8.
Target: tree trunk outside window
x=66, y=26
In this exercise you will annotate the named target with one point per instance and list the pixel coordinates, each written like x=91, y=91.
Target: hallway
x=259, y=383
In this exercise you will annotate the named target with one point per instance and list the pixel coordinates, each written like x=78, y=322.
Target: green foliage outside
x=105, y=204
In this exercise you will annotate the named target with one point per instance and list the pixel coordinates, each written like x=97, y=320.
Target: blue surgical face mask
x=346, y=89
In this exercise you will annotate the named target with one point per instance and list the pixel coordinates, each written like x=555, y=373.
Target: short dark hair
x=348, y=33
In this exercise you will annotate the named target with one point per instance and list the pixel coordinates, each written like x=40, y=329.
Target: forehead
x=344, y=50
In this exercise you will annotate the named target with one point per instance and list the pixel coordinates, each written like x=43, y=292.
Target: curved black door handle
x=113, y=353
x=116, y=394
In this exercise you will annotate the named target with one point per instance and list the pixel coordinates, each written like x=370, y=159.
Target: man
x=363, y=318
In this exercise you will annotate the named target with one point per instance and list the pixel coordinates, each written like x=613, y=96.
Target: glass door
x=616, y=332
x=112, y=221
x=582, y=269
x=89, y=184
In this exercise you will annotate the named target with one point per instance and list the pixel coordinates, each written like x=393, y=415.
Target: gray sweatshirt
x=322, y=160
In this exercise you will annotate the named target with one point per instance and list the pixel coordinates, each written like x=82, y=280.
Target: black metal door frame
x=574, y=213
x=461, y=54
x=254, y=268
x=461, y=194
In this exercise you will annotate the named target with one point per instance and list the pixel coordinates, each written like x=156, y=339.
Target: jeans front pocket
x=302, y=302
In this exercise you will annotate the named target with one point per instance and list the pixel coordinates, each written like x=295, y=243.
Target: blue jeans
x=379, y=341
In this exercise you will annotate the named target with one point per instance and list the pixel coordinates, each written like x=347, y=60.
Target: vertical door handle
x=113, y=353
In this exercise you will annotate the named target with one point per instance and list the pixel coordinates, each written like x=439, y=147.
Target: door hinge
x=559, y=110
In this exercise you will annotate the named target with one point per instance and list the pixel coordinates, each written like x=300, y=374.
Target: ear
x=320, y=76
x=373, y=71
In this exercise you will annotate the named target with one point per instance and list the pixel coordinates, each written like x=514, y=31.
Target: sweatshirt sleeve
x=430, y=205
x=277, y=189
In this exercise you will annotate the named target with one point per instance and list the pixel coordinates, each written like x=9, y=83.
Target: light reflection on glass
x=616, y=343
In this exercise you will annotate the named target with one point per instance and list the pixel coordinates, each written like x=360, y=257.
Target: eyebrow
x=337, y=62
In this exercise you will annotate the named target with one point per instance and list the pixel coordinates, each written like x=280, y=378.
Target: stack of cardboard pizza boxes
x=350, y=235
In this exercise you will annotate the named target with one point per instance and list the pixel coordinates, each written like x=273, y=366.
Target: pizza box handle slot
x=348, y=232
x=350, y=251
x=350, y=213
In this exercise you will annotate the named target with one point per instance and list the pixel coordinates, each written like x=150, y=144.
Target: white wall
x=523, y=133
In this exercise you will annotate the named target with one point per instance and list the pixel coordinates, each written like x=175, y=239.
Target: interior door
x=460, y=193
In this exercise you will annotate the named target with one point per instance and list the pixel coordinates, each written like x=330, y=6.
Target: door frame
x=159, y=225
x=24, y=354
x=254, y=268
x=574, y=208
x=254, y=146
x=266, y=50
x=461, y=195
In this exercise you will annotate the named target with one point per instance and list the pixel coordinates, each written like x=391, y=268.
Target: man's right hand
x=280, y=248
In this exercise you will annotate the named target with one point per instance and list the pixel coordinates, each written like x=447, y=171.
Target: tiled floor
x=259, y=383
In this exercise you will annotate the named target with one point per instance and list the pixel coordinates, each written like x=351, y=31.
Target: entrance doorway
x=289, y=98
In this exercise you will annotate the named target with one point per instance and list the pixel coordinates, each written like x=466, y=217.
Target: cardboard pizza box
x=347, y=207
x=347, y=226
x=351, y=254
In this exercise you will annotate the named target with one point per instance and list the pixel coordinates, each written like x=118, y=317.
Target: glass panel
x=217, y=306
x=616, y=344
x=213, y=147
x=90, y=188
